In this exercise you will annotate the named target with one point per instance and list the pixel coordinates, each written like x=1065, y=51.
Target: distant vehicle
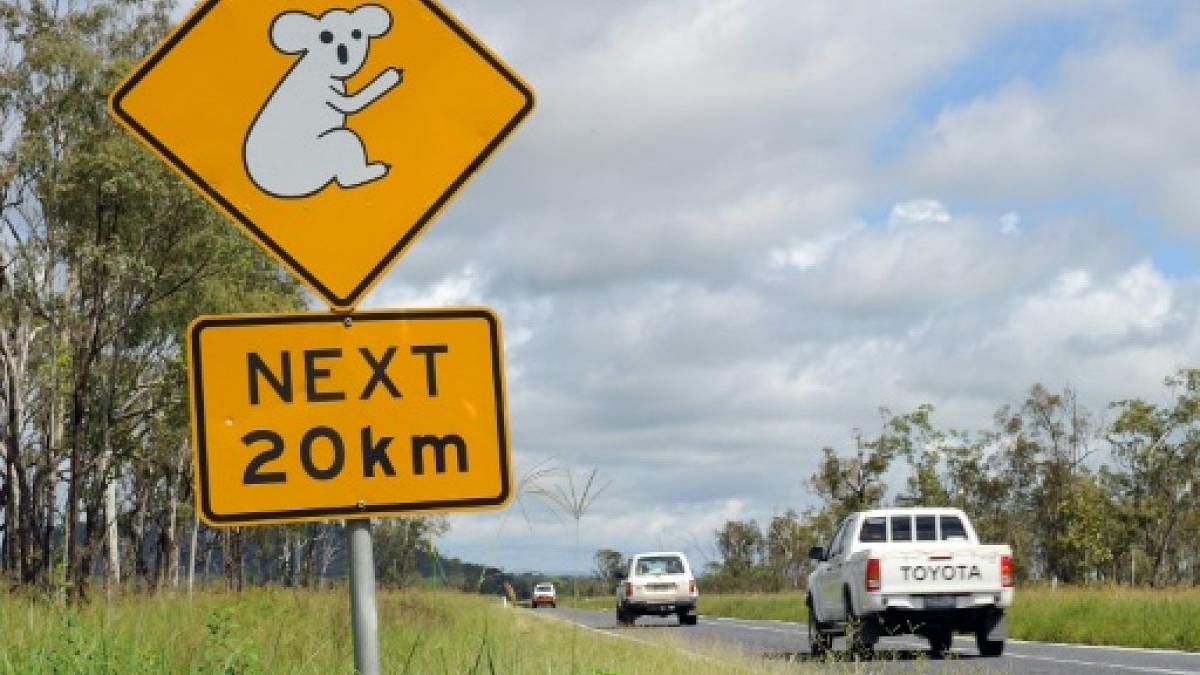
x=909, y=570
x=544, y=594
x=660, y=584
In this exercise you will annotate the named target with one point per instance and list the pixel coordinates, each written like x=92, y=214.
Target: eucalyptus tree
x=1157, y=454
x=106, y=255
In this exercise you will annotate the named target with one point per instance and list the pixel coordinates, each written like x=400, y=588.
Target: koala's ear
x=373, y=19
x=292, y=32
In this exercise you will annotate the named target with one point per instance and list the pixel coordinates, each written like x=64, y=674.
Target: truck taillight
x=1006, y=571
x=692, y=586
x=628, y=589
x=874, y=577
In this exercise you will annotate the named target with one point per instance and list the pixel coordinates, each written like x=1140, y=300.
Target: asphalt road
x=788, y=641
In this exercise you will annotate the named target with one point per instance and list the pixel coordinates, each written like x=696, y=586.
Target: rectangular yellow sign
x=315, y=416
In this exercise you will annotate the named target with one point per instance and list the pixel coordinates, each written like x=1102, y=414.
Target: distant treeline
x=1081, y=496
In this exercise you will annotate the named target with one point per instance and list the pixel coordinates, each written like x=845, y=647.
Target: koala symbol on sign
x=299, y=142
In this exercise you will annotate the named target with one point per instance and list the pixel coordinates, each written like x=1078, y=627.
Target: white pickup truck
x=909, y=570
x=659, y=584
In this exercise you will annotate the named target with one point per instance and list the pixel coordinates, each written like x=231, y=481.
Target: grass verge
x=299, y=632
x=1131, y=617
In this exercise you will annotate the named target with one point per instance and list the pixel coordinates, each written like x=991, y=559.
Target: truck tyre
x=624, y=619
x=940, y=640
x=988, y=647
x=688, y=618
x=861, y=634
x=818, y=641
x=990, y=634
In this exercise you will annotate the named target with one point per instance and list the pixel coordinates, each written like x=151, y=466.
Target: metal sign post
x=363, y=615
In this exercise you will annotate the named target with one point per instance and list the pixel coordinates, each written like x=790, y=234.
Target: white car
x=544, y=594
x=909, y=570
x=660, y=584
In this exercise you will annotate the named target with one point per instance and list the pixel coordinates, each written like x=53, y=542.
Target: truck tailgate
x=940, y=568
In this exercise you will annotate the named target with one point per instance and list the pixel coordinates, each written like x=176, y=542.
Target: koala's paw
x=392, y=77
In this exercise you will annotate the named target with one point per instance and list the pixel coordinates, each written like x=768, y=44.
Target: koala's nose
x=343, y=54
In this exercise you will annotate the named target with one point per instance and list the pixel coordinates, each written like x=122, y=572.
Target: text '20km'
x=327, y=443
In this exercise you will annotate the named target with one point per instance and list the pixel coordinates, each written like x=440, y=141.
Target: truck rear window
x=901, y=528
x=874, y=529
x=660, y=565
x=926, y=528
x=952, y=528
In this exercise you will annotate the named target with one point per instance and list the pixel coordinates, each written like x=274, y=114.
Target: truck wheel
x=861, y=635
x=990, y=634
x=818, y=641
x=688, y=618
x=988, y=647
x=939, y=641
x=624, y=618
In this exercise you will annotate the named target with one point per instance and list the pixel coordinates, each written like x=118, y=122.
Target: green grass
x=781, y=606
x=1134, y=617
x=1138, y=617
x=300, y=632
x=427, y=633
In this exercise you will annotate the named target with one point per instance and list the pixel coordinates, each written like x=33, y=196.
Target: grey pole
x=363, y=615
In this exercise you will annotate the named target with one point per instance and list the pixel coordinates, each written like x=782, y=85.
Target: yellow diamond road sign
x=314, y=416
x=332, y=133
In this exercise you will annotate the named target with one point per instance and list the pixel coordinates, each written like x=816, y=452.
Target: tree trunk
x=307, y=577
x=191, y=576
x=173, y=545
x=137, y=536
x=71, y=518
x=112, y=533
x=235, y=569
x=1160, y=550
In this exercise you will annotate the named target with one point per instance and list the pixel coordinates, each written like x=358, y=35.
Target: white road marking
x=1077, y=662
x=608, y=632
x=749, y=626
x=1140, y=650
x=1111, y=666
x=1145, y=650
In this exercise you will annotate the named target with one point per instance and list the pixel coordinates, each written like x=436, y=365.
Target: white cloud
x=462, y=287
x=1077, y=310
x=706, y=274
x=1010, y=223
x=1115, y=121
x=918, y=212
x=810, y=253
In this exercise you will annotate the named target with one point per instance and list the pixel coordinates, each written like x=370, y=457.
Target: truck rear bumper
x=875, y=602
x=659, y=608
x=991, y=620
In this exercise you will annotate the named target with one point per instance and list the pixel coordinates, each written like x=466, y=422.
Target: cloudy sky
x=732, y=229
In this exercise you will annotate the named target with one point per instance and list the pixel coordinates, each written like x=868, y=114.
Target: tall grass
x=300, y=632
x=1135, y=617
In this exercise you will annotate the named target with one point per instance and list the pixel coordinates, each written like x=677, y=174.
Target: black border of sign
x=389, y=258
x=195, y=356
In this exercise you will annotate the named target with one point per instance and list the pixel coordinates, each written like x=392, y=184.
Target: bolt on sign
x=317, y=416
x=332, y=134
